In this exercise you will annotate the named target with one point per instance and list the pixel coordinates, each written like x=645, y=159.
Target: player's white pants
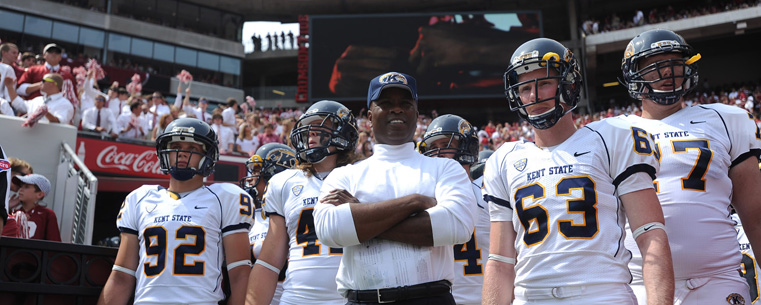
x=726, y=288
x=602, y=294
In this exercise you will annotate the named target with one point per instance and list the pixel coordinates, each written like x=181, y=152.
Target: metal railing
x=80, y=188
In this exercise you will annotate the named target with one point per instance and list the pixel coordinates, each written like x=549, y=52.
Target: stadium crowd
x=664, y=13
x=242, y=127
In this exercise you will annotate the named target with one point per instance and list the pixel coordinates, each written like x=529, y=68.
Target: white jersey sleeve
x=256, y=238
x=632, y=162
x=237, y=209
x=273, y=201
x=128, y=219
x=743, y=132
x=494, y=187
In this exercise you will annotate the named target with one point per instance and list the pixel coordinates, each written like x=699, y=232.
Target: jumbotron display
x=462, y=55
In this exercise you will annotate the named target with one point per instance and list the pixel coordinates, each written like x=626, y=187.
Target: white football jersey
x=256, y=239
x=748, y=266
x=696, y=147
x=470, y=257
x=312, y=267
x=181, y=250
x=563, y=202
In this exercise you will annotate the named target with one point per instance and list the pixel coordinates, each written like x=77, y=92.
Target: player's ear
x=370, y=114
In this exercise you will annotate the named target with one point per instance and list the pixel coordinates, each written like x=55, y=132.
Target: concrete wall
x=124, y=25
x=41, y=147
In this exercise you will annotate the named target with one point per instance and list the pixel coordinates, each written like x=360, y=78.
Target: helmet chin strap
x=321, y=154
x=182, y=174
x=185, y=174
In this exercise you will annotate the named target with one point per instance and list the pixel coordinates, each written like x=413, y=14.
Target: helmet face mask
x=328, y=123
x=253, y=174
x=193, y=131
x=460, y=138
x=560, y=70
x=660, y=66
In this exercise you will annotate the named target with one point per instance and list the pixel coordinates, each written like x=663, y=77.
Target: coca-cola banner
x=118, y=158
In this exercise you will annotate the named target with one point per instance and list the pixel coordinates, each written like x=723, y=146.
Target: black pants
x=445, y=299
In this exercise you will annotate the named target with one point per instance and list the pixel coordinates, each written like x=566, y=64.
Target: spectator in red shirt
x=31, y=81
x=490, y=128
x=33, y=220
x=269, y=136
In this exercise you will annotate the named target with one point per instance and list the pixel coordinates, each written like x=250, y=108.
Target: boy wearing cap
x=60, y=109
x=427, y=206
x=30, y=83
x=40, y=221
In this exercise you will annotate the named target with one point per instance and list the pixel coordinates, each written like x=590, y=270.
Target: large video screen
x=452, y=55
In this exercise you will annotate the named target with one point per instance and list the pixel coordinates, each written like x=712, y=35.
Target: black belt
x=390, y=295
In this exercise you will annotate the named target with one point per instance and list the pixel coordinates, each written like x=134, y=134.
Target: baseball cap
x=52, y=47
x=34, y=179
x=391, y=80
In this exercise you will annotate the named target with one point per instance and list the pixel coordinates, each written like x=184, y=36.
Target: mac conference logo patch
x=520, y=165
x=297, y=190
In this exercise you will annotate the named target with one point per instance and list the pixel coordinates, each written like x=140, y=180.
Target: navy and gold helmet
x=333, y=123
x=547, y=54
x=684, y=70
x=188, y=130
x=451, y=127
x=269, y=159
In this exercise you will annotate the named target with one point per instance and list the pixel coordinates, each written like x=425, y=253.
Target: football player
x=450, y=136
x=174, y=240
x=559, y=204
x=268, y=160
x=324, y=138
x=708, y=156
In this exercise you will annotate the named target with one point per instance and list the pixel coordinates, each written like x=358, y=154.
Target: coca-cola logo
x=145, y=162
x=4, y=165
